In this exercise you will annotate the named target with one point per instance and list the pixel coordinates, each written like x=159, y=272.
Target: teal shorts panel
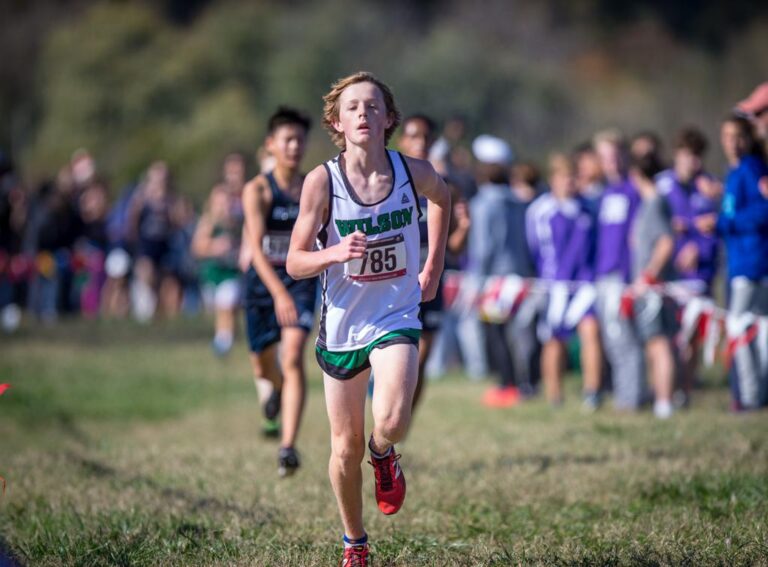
x=347, y=365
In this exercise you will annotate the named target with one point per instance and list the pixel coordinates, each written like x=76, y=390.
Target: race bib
x=383, y=260
x=275, y=246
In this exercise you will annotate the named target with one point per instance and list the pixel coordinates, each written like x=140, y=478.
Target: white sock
x=224, y=338
x=663, y=409
x=143, y=300
x=348, y=542
x=264, y=388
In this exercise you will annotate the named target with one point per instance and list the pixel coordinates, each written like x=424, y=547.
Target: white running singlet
x=364, y=299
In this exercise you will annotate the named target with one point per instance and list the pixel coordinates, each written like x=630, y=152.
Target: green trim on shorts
x=344, y=365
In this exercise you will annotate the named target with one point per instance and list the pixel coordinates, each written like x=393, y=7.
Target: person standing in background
x=613, y=261
x=495, y=249
x=151, y=227
x=560, y=234
x=526, y=353
x=589, y=175
x=93, y=244
x=644, y=144
x=692, y=195
x=755, y=109
x=743, y=224
x=416, y=137
x=653, y=244
x=216, y=244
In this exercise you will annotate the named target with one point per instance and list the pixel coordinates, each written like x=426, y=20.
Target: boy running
x=362, y=208
x=278, y=309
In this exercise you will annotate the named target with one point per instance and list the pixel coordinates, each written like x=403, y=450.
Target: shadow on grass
x=716, y=496
x=544, y=461
x=81, y=332
x=192, y=502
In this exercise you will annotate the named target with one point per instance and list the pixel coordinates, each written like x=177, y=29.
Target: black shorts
x=260, y=319
x=431, y=312
x=655, y=317
x=157, y=251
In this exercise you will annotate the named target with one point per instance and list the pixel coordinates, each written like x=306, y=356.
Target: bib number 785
x=380, y=260
x=384, y=259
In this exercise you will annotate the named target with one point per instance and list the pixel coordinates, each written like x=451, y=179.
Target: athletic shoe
x=390, y=482
x=271, y=429
x=590, y=403
x=355, y=556
x=527, y=390
x=502, y=397
x=221, y=347
x=663, y=409
x=681, y=400
x=287, y=461
x=272, y=405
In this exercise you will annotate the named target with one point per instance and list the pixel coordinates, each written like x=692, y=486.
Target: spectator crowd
x=602, y=252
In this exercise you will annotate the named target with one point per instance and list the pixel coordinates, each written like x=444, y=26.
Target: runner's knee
x=291, y=360
x=393, y=427
x=348, y=449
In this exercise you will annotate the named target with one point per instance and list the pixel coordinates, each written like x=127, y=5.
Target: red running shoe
x=390, y=482
x=502, y=397
x=355, y=556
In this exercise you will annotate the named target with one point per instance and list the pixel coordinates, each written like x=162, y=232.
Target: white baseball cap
x=490, y=149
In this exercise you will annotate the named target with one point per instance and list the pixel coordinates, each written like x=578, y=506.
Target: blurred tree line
x=191, y=81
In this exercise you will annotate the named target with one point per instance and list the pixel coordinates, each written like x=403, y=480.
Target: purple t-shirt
x=686, y=203
x=616, y=213
x=560, y=235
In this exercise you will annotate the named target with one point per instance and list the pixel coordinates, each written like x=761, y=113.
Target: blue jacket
x=743, y=221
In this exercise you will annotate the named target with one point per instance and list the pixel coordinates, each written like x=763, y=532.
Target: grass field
x=126, y=445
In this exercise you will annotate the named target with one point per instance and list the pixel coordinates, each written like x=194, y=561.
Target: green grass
x=126, y=445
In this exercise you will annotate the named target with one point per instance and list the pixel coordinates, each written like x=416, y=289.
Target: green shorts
x=348, y=364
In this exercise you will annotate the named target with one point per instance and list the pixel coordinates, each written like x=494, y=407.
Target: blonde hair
x=612, y=136
x=561, y=163
x=331, y=105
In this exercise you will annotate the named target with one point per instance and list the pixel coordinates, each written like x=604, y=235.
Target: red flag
x=749, y=335
x=627, y=305
x=705, y=320
x=3, y=388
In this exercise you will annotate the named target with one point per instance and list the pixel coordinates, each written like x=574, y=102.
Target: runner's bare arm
x=432, y=186
x=303, y=260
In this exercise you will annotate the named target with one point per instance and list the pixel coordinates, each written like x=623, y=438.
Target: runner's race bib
x=383, y=260
x=275, y=246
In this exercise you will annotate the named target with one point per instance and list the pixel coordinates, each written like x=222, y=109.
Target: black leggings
x=499, y=354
